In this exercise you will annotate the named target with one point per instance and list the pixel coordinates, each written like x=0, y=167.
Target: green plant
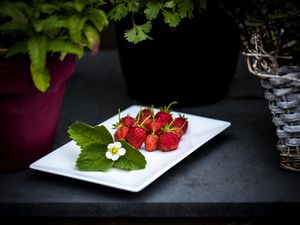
x=277, y=22
x=170, y=11
x=40, y=28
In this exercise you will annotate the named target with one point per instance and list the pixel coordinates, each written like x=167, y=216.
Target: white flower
x=114, y=151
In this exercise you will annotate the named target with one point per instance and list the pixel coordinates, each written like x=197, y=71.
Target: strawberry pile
x=157, y=131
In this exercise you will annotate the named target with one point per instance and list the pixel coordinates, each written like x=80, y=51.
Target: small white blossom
x=114, y=151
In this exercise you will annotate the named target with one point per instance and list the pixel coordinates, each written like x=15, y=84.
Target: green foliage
x=172, y=12
x=39, y=28
x=93, y=141
x=85, y=135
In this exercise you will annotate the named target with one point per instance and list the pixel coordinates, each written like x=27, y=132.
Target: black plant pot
x=193, y=64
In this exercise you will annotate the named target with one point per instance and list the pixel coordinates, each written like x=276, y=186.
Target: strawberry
x=178, y=131
x=155, y=126
x=164, y=114
x=145, y=120
x=121, y=129
x=151, y=142
x=181, y=122
x=136, y=136
x=121, y=133
x=147, y=111
x=168, y=141
x=145, y=115
x=128, y=121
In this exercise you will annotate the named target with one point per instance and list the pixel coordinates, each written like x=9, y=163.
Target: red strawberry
x=128, y=121
x=121, y=129
x=155, y=126
x=151, y=142
x=121, y=133
x=178, y=131
x=136, y=136
x=164, y=114
x=147, y=111
x=168, y=141
x=145, y=120
x=181, y=122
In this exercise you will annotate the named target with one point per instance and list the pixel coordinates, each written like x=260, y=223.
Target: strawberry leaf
x=132, y=160
x=85, y=135
x=92, y=158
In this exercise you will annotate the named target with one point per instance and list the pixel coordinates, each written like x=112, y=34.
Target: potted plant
x=270, y=33
x=40, y=42
x=168, y=44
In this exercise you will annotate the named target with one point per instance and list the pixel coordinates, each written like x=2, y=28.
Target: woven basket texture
x=283, y=95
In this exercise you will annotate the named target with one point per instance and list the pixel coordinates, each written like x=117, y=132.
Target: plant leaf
x=92, y=158
x=253, y=22
x=18, y=47
x=51, y=22
x=37, y=48
x=84, y=134
x=64, y=46
x=173, y=19
x=138, y=33
x=93, y=38
x=8, y=9
x=169, y=4
x=76, y=25
x=15, y=25
x=98, y=17
x=132, y=160
x=186, y=8
x=118, y=12
x=152, y=10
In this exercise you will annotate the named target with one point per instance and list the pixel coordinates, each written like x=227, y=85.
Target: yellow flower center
x=114, y=151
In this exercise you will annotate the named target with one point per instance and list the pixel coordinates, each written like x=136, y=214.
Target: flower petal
x=115, y=157
x=108, y=155
x=110, y=146
x=118, y=144
x=122, y=151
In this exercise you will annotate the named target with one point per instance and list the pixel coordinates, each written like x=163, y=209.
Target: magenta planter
x=28, y=117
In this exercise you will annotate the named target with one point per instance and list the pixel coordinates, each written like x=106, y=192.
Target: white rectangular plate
x=62, y=160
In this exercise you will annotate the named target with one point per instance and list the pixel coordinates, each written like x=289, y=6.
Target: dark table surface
x=235, y=174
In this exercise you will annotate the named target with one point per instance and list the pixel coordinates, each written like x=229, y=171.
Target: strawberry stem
x=172, y=103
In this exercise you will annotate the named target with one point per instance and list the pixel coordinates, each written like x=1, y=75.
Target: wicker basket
x=282, y=90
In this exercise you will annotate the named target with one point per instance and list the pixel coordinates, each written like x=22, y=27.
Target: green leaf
x=133, y=5
x=152, y=10
x=93, y=38
x=51, y=22
x=138, y=33
x=169, y=4
x=92, y=158
x=118, y=12
x=15, y=25
x=173, y=19
x=37, y=48
x=84, y=134
x=64, y=46
x=76, y=25
x=186, y=8
x=132, y=160
x=253, y=22
x=47, y=8
x=8, y=9
x=18, y=47
x=98, y=17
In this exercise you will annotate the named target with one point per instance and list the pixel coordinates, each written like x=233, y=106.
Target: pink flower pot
x=28, y=117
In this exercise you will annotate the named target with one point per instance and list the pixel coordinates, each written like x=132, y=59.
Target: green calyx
x=167, y=109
